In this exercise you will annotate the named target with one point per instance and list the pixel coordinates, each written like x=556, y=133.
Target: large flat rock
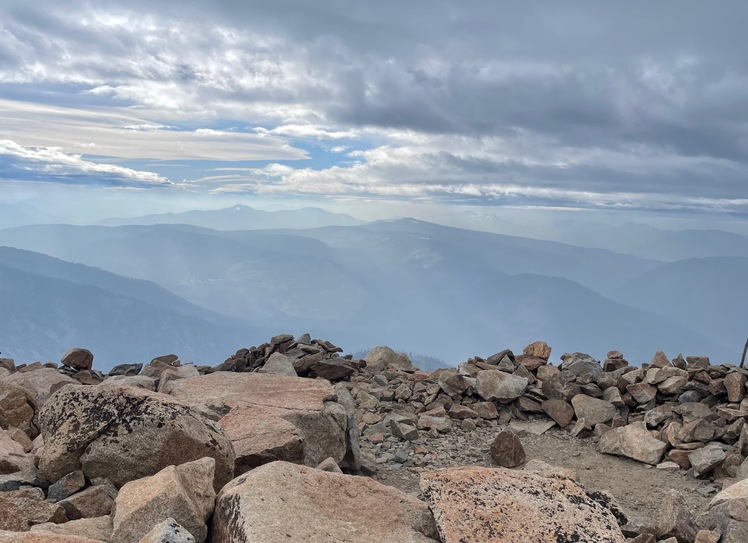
x=281, y=502
x=269, y=417
x=485, y=505
x=270, y=390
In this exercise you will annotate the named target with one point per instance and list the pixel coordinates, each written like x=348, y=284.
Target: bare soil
x=637, y=488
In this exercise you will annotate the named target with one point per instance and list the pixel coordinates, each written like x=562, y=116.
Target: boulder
x=8, y=364
x=260, y=435
x=675, y=519
x=578, y=364
x=95, y=501
x=506, y=450
x=559, y=411
x=633, y=441
x=13, y=457
x=123, y=433
x=642, y=392
x=42, y=383
x=593, y=410
x=539, y=349
x=99, y=528
x=136, y=381
x=126, y=370
x=706, y=459
x=183, y=493
x=27, y=477
x=561, y=386
x=80, y=359
x=172, y=374
x=382, y=357
x=737, y=491
x=282, y=502
x=453, y=384
x=333, y=369
x=495, y=385
x=352, y=458
x=484, y=504
x=278, y=364
x=21, y=509
x=18, y=409
x=275, y=417
x=735, y=386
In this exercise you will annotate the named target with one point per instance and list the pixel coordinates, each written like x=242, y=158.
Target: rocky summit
x=290, y=441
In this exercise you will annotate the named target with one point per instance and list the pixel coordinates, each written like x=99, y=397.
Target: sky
x=123, y=108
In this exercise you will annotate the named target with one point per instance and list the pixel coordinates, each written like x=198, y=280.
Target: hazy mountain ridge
x=241, y=217
x=442, y=291
x=44, y=315
x=631, y=238
x=711, y=292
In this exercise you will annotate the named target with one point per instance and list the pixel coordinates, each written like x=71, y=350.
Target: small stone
x=168, y=531
x=67, y=486
x=707, y=536
x=440, y=424
x=486, y=410
x=330, y=465
x=404, y=431
x=668, y=466
x=468, y=425
x=506, y=450
x=458, y=411
x=547, y=470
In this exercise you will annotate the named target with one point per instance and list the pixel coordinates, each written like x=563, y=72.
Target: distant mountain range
x=48, y=305
x=444, y=292
x=241, y=217
x=637, y=239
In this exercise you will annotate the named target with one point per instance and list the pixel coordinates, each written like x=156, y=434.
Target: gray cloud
x=599, y=99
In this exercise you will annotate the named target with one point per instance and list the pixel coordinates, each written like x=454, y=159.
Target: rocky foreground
x=289, y=441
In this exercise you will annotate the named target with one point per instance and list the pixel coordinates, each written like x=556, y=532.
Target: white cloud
x=53, y=162
x=119, y=133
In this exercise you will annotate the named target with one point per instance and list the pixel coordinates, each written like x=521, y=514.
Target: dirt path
x=638, y=488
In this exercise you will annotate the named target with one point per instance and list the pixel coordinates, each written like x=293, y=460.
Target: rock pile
x=267, y=446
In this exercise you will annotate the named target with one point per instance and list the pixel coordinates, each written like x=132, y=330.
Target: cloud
x=51, y=164
x=485, y=101
x=122, y=134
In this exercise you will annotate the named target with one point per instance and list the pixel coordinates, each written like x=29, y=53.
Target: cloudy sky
x=639, y=106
